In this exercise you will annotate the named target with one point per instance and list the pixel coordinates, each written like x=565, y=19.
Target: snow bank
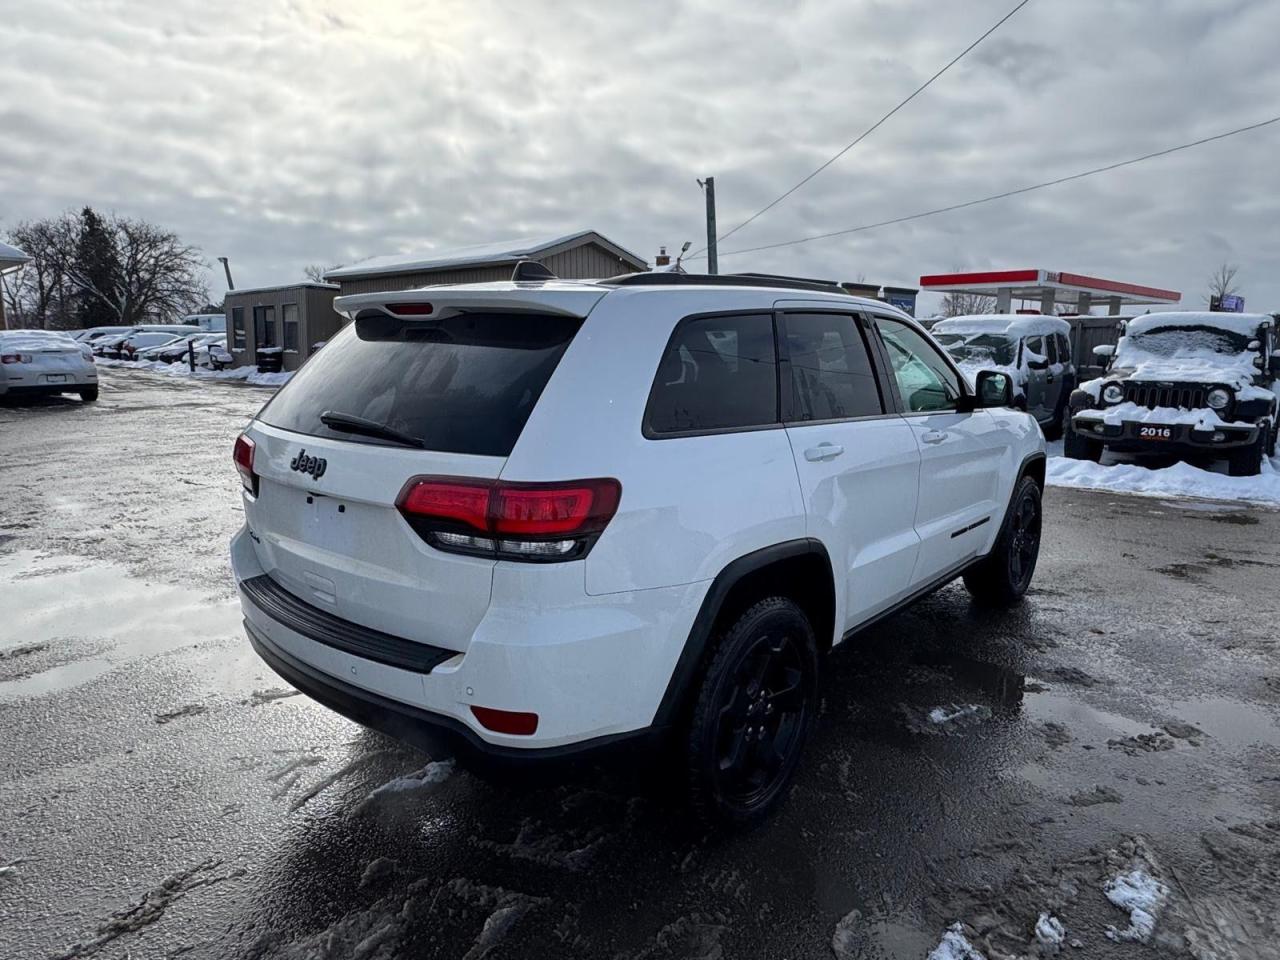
x=1143, y=896
x=955, y=946
x=1178, y=480
x=249, y=375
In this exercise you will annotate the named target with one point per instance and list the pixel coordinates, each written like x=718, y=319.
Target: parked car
x=539, y=521
x=1192, y=385
x=45, y=363
x=93, y=334
x=219, y=357
x=1034, y=350
x=175, y=350
x=130, y=346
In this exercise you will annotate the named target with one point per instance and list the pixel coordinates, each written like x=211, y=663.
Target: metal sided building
x=585, y=255
x=295, y=319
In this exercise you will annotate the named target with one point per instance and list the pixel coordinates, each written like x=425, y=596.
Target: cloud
x=287, y=132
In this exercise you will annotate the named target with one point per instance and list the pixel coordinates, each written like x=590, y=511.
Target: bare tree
x=1222, y=282
x=41, y=296
x=966, y=304
x=315, y=273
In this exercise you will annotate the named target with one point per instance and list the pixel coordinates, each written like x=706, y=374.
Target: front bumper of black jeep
x=1175, y=439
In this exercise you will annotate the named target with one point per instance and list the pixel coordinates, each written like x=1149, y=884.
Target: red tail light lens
x=242, y=456
x=518, y=521
x=15, y=358
x=507, y=721
x=411, y=309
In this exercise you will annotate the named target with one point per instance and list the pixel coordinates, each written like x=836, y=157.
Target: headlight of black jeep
x=1112, y=393
x=1218, y=398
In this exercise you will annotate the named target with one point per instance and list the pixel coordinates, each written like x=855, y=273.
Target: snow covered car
x=175, y=351
x=1034, y=350
x=1191, y=385
x=45, y=363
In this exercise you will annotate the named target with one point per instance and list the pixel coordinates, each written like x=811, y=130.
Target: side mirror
x=1104, y=351
x=994, y=389
x=1037, y=364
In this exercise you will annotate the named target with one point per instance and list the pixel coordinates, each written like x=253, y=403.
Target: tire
x=1003, y=576
x=1076, y=447
x=89, y=394
x=752, y=714
x=1248, y=462
x=1057, y=426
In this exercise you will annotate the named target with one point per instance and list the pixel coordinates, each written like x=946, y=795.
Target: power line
x=871, y=129
x=1004, y=195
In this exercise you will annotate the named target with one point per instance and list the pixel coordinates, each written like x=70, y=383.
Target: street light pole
x=227, y=267
x=709, y=189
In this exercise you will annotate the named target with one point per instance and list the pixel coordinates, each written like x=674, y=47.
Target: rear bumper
x=593, y=669
x=35, y=385
x=1185, y=438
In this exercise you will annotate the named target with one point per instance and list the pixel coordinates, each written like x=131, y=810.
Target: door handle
x=1049, y=379
x=933, y=436
x=823, y=451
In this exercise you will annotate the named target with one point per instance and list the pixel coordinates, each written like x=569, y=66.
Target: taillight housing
x=532, y=522
x=15, y=358
x=242, y=456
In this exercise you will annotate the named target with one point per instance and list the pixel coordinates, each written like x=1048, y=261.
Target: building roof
x=1031, y=284
x=301, y=284
x=11, y=257
x=479, y=255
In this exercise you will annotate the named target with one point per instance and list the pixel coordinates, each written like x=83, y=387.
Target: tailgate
x=337, y=541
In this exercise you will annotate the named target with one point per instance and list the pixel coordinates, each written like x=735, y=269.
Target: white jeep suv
x=534, y=519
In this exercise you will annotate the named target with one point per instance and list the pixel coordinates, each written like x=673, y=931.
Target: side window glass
x=831, y=373
x=718, y=373
x=1051, y=347
x=925, y=381
x=1064, y=348
x=1035, y=349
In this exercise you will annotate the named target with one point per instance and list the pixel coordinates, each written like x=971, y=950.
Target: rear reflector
x=507, y=721
x=242, y=456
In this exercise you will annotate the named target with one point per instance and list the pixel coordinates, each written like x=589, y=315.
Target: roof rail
x=721, y=280
x=531, y=271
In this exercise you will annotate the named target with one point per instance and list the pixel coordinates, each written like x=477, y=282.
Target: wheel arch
x=1033, y=466
x=798, y=569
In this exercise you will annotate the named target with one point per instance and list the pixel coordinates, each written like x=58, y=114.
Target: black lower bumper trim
x=323, y=627
x=435, y=733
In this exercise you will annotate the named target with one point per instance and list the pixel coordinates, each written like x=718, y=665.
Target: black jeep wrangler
x=1198, y=386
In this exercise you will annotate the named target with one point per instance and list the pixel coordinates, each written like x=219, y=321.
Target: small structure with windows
x=288, y=321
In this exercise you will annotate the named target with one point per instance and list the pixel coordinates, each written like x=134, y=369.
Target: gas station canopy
x=1048, y=287
x=11, y=257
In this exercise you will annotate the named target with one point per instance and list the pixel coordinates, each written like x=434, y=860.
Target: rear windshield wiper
x=348, y=423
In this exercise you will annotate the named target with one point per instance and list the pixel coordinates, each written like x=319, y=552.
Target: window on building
x=289, y=320
x=264, y=327
x=925, y=381
x=831, y=374
x=718, y=373
x=237, y=328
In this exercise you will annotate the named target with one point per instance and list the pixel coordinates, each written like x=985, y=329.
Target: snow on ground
x=1143, y=896
x=1049, y=930
x=1178, y=480
x=953, y=712
x=955, y=946
x=249, y=375
x=435, y=772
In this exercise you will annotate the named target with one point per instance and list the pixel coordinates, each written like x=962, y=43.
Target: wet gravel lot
x=164, y=794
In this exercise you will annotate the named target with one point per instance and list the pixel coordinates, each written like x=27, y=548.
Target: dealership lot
x=168, y=796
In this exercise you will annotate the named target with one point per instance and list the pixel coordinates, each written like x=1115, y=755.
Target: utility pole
x=227, y=267
x=709, y=189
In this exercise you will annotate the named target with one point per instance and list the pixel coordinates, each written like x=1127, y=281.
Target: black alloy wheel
x=1024, y=541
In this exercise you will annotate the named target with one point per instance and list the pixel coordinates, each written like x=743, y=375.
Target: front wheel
x=1076, y=447
x=753, y=713
x=1248, y=462
x=1003, y=576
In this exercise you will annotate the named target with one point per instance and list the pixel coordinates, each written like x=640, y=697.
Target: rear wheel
x=754, y=710
x=1248, y=462
x=89, y=394
x=1004, y=575
x=1077, y=447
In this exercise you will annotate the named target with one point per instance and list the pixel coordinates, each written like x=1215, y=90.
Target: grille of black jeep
x=1151, y=395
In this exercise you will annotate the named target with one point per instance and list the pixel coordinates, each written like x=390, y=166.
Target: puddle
x=1201, y=506
x=1229, y=721
x=1085, y=723
x=51, y=599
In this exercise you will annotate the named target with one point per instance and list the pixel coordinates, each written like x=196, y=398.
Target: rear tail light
x=15, y=358
x=411, y=309
x=242, y=456
x=507, y=721
x=539, y=522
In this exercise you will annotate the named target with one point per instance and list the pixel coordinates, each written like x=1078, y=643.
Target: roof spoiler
x=531, y=271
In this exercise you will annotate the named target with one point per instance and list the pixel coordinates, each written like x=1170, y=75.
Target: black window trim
x=888, y=398
x=887, y=365
x=646, y=428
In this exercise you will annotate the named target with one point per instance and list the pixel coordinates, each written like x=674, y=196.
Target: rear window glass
x=718, y=373
x=465, y=384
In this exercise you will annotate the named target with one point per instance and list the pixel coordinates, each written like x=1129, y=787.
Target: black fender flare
x=686, y=669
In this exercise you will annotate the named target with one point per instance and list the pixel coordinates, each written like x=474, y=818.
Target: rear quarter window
x=464, y=384
x=716, y=374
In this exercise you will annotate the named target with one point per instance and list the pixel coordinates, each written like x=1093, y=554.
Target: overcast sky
x=287, y=132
